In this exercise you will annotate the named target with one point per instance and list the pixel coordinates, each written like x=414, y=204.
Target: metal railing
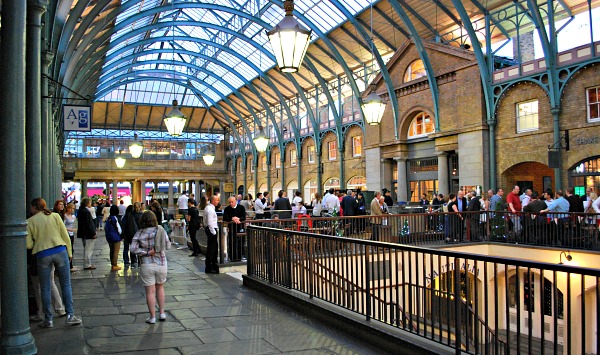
x=469, y=302
x=570, y=231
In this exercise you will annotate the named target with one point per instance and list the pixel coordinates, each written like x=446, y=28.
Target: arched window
x=357, y=182
x=309, y=190
x=415, y=71
x=332, y=183
x=420, y=126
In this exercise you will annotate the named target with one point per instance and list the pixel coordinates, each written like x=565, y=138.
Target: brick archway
x=531, y=171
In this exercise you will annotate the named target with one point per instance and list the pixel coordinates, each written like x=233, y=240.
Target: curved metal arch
x=349, y=126
x=87, y=22
x=211, y=59
x=191, y=39
x=336, y=54
x=66, y=33
x=163, y=61
x=383, y=68
x=191, y=88
x=256, y=20
x=424, y=57
x=504, y=88
x=115, y=84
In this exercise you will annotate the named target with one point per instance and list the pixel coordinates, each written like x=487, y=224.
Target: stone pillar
x=16, y=336
x=443, y=183
x=402, y=181
x=115, y=192
x=33, y=121
x=198, y=191
x=84, y=192
x=47, y=128
x=142, y=194
x=170, y=205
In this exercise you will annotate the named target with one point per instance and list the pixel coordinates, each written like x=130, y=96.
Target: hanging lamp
x=136, y=147
x=209, y=156
x=261, y=141
x=289, y=40
x=120, y=160
x=373, y=106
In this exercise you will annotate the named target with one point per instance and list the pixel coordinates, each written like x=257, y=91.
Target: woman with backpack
x=113, y=232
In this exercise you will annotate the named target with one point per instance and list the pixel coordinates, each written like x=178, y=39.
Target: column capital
x=441, y=153
x=400, y=159
x=38, y=6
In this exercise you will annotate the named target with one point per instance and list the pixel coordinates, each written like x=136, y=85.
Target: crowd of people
x=51, y=234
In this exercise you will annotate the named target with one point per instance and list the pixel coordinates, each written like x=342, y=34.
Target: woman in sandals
x=149, y=244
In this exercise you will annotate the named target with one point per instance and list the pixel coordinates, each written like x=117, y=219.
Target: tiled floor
x=206, y=314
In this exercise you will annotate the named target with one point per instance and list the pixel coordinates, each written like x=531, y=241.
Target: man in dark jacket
x=86, y=230
x=535, y=224
x=349, y=206
x=282, y=206
x=474, y=207
x=235, y=215
x=193, y=219
x=575, y=206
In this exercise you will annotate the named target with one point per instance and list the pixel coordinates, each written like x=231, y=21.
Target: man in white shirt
x=182, y=203
x=212, y=244
x=331, y=202
x=259, y=206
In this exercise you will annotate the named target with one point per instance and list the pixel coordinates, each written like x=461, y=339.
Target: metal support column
x=33, y=123
x=342, y=168
x=556, y=130
x=16, y=336
x=319, y=172
x=47, y=128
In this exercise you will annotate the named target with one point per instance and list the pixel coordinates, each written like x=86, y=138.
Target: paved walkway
x=206, y=314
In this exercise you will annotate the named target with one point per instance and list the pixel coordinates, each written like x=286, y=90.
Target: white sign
x=77, y=118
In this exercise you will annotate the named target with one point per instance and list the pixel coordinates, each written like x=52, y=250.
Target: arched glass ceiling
x=198, y=63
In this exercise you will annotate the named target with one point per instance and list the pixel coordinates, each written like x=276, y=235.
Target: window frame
x=311, y=154
x=354, y=146
x=588, y=104
x=518, y=118
x=424, y=124
x=277, y=156
x=330, y=149
x=409, y=71
x=293, y=158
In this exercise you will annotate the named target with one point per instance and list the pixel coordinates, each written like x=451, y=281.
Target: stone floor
x=206, y=314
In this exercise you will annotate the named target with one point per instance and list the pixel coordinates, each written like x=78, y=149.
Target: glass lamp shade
x=289, y=40
x=261, y=141
x=136, y=149
x=120, y=161
x=208, y=158
x=175, y=121
x=373, y=108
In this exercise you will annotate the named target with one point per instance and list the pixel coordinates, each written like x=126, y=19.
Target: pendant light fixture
x=373, y=106
x=289, y=40
x=174, y=120
x=261, y=141
x=136, y=147
x=120, y=160
x=209, y=155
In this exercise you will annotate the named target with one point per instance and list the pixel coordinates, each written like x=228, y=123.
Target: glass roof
x=209, y=43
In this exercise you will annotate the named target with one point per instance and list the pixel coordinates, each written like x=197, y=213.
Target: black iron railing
x=469, y=302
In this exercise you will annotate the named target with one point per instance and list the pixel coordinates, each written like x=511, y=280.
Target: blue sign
x=77, y=118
